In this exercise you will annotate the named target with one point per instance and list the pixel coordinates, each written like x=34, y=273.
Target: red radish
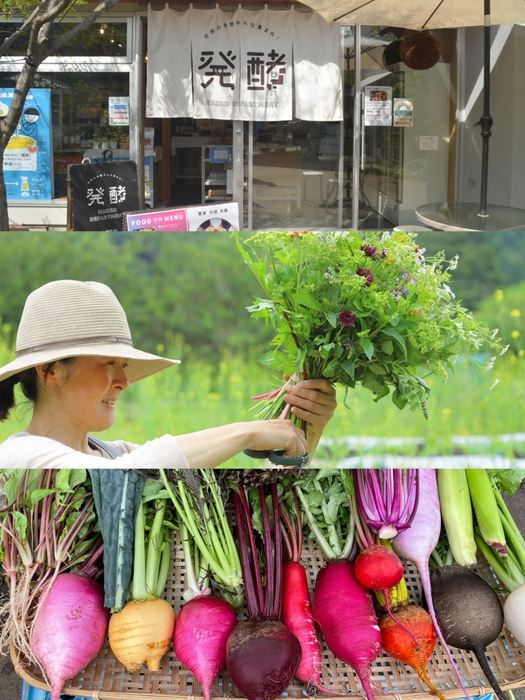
x=262, y=655
x=377, y=567
x=399, y=643
x=345, y=612
x=69, y=628
x=202, y=628
x=418, y=542
x=296, y=612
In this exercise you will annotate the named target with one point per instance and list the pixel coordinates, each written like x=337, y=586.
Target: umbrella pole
x=486, y=119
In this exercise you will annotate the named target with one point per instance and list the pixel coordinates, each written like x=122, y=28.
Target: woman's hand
x=278, y=434
x=312, y=400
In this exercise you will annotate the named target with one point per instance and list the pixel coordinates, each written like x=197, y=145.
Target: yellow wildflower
x=515, y=334
x=515, y=313
x=498, y=294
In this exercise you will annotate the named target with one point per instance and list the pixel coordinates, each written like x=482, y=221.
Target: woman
x=74, y=357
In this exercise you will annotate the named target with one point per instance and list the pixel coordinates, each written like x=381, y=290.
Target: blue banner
x=27, y=157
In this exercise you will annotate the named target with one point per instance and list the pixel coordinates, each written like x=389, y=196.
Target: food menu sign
x=208, y=217
x=28, y=156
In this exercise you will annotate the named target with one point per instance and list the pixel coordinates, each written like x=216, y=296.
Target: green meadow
x=196, y=395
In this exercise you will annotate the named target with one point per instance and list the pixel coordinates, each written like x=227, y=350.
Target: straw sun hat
x=68, y=318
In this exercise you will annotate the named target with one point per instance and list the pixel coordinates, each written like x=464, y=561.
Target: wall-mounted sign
x=100, y=193
x=28, y=156
x=428, y=143
x=118, y=111
x=221, y=154
x=403, y=112
x=209, y=217
x=378, y=106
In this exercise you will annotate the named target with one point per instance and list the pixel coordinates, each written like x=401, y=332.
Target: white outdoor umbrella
x=433, y=14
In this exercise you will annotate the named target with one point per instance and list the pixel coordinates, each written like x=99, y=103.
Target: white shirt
x=25, y=451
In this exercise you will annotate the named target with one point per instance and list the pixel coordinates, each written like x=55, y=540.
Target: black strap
x=107, y=447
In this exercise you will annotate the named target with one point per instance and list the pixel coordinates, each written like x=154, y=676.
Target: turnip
x=203, y=624
x=262, y=655
x=48, y=528
x=69, y=628
x=469, y=613
x=419, y=540
x=410, y=638
x=142, y=631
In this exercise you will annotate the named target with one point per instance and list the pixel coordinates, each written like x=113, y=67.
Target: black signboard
x=100, y=193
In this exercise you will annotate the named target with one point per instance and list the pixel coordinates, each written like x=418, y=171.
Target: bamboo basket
x=105, y=678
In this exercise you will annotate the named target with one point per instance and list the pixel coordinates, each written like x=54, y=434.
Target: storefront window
x=81, y=118
x=101, y=39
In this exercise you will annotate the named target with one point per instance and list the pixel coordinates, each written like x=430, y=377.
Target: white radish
x=514, y=611
x=418, y=542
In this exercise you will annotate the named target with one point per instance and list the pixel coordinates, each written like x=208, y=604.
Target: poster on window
x=378, y=106
x=28, y=155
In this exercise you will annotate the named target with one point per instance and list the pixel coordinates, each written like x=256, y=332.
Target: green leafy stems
x=361, y=308
x=48, y=527
x=151, y=556
x=198, y=502
x=511, y=568
x=324, y=495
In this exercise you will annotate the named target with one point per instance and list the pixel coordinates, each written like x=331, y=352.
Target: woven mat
x=106, y=678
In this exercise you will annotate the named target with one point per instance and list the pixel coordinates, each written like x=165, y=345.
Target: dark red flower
x=364, y=272
x=369, y=250
x=347, y=318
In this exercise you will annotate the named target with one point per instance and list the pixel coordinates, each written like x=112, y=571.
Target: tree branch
x=10, y=40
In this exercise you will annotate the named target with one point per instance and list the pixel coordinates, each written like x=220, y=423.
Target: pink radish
x=202, y=628
x=345, y=612
x=296, y=612
x=419, y=540
x=69, y=628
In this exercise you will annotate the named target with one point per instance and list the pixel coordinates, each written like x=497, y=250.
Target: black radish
x=469, y=613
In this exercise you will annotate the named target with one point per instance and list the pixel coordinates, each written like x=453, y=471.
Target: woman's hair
x=28, y=383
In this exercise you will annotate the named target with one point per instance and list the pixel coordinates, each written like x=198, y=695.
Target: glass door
x=292, y=175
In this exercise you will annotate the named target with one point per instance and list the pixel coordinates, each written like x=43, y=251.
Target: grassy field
x=196, y=395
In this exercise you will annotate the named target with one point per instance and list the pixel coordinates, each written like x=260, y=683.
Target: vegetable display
x=260, y=536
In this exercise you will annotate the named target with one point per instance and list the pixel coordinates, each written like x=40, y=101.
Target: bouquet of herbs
x=360, y=308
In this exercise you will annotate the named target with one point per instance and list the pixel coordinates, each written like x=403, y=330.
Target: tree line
x=196, y=285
